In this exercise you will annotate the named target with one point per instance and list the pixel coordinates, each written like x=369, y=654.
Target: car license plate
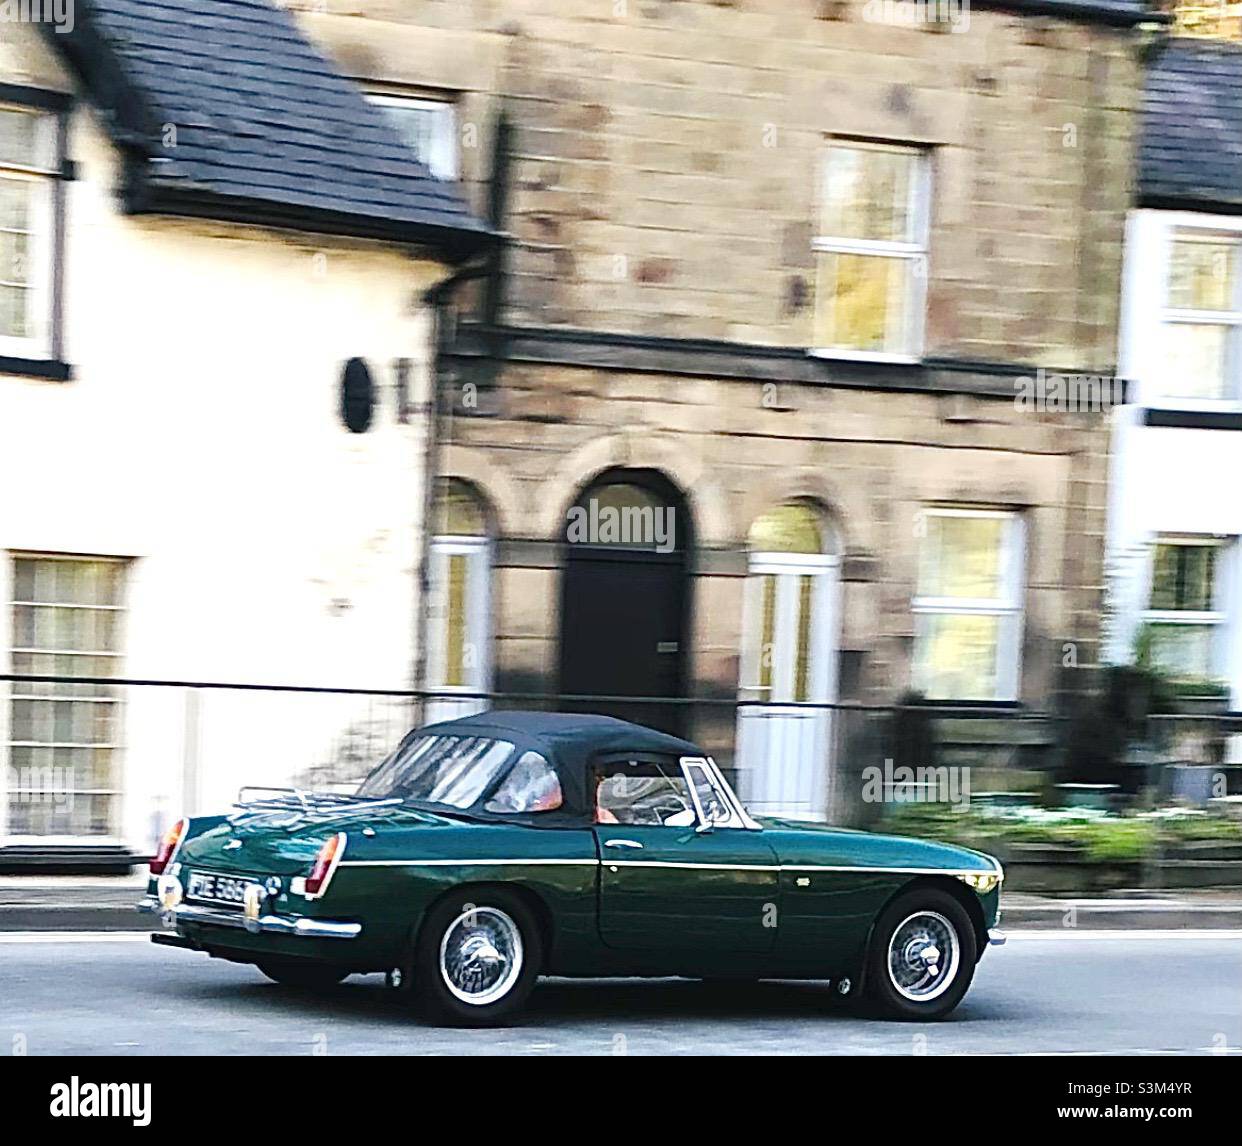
x=211, y=887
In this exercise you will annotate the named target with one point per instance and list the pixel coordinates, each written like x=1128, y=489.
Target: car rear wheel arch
x=531, y=899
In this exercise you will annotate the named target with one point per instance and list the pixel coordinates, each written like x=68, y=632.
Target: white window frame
x=915, y=251
x=788, y=569
x=443, y=161
x=117, y=746
x=1009, y=606
x=1150, y=235
x=1199, y=618
x=1231, y=319
x=39, y=344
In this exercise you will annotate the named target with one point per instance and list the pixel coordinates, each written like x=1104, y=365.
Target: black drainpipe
x=440, y=298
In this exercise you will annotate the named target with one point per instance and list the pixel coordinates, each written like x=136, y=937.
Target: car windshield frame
x=442, y=770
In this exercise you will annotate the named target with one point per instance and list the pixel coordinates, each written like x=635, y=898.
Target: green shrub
x=1101, y=837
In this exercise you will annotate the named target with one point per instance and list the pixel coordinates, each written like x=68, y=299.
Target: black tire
x=304, y=974
x=501, y=970
x=906, y=931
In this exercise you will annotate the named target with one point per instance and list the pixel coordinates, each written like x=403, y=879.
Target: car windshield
x=450, y=770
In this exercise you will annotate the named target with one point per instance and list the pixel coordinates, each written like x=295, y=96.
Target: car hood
x=798, y=842
x=286, y=842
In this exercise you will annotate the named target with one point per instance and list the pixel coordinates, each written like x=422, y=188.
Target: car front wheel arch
x=956, y=888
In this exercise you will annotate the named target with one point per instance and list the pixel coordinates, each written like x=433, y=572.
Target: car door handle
x=622, y=844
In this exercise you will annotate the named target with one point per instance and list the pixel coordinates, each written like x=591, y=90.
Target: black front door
x=623, y=618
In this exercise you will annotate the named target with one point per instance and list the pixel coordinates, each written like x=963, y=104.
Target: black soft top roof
x=569, y=742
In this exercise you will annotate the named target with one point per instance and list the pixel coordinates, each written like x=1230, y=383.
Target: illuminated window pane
x=455, y=651
x=968, y=606
x=802, y=663
x=458, y=511
x=867, y=193
x=956, y=655
x=791, y=528
x=861, y=302
x=1194, y=360
x=1202, y=274
x=767, y=631
x=961, y=557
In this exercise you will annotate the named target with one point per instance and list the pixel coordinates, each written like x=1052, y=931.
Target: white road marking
x=1134, y=1051
x=1024, y=934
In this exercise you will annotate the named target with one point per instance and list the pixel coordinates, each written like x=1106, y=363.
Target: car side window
x=531, y=786
x=644, y=792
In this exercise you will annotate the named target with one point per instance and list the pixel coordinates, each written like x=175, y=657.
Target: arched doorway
x=625, y=597
x=459, y=658
x=789, y=653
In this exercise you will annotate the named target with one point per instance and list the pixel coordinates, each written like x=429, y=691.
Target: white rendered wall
x=200, y=437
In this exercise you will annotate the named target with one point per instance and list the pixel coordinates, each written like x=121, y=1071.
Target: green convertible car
x=489, y=850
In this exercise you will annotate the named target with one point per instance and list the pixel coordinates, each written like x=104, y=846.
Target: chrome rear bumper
x=271, y=924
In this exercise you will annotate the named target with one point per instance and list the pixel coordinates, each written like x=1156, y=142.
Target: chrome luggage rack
x=300, y=806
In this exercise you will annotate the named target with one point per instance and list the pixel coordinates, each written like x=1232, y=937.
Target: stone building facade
x=772, y=259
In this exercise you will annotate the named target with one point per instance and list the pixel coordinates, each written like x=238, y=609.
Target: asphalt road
x=1049, y=993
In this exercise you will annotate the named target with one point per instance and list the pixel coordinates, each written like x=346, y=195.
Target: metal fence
x=76, y=745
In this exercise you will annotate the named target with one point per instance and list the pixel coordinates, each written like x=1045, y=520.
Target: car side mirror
x=705, y=827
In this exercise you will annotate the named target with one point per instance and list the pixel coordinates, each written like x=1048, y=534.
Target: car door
x=666, y=887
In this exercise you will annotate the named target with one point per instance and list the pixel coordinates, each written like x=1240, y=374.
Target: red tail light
x=168, y=846
x=325, y=864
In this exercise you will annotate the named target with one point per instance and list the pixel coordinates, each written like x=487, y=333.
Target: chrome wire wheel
x=923, y=956
x=481, y=955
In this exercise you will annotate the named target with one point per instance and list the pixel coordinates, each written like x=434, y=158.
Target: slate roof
x=267, y=130
x=1190, y=154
